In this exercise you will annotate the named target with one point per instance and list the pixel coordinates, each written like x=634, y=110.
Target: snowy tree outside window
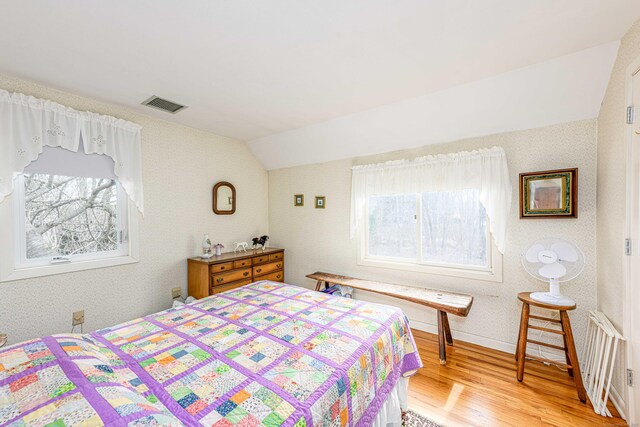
x=437, y=228
x=65, y=216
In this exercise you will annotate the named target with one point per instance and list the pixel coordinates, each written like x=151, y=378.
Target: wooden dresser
x=231, y=270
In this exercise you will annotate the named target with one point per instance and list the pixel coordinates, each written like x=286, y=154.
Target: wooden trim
x=233, y=198
x=454, y=303
x=551, y=331
x=545, y=319
x=557, y=347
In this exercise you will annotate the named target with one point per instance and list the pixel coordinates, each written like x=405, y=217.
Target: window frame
x=15, y=266
x=492, y=272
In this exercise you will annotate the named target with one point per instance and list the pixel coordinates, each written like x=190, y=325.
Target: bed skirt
x=390, y=413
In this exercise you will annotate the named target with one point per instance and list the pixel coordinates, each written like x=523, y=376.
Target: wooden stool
x=569, y=348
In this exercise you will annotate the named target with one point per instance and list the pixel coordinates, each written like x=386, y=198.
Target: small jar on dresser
x=232, y=270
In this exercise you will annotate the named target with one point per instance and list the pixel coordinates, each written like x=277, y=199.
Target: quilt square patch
x=331, y=408
x=333, y=346
x=29, y=391
x=127, y=402
x=70, y=410
x=176, y=316
x=200, y=326
x=374, y=311
x=25, y=356
x=312, y=297
x=199, y=389
x=320, y=315
x=152, y=344
x=256, y=354
x=383, y=354
x=236, y=311
x=362, y=385
x=166, y=365
x=214, y=303
x=97, y=372
x=226, y=337
x=357, y=326
x=264, y=300
x=266, y=286
x=294, y=331
x=290, y=306
x=289, y=290
x=241, y=293
x=129, y=333
x=262, y=319
x=84, y=346
x=299, y=375
x=254, y=405
x=343, y=304
x=156, y=420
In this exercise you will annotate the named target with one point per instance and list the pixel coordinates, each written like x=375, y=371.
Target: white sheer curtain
x=27, y=124
x=484, y=170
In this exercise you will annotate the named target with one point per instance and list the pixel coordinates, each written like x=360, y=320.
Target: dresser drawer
x=229, y=286
x=260, y=259
x=242, y=263
x=276, y=256
x=267, y=268
x=232, y=276
x=278, y=276
x=216, y=268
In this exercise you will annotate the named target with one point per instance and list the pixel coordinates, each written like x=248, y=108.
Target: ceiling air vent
x=163, y=104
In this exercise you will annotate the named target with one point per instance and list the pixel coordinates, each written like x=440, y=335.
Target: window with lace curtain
x=444, y=214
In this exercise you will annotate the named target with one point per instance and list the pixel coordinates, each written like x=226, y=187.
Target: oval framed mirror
x=224, y=198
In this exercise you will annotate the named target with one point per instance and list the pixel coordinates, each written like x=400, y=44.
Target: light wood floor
x=478, y=387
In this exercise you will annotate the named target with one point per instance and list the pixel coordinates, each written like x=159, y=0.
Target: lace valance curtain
x=483, y=170
x=27, y=124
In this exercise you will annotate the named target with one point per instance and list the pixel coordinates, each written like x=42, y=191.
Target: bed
x=265, y=354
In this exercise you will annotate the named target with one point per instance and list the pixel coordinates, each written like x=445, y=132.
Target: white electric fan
x=555, y=260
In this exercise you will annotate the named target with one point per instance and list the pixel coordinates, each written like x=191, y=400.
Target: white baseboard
x=464, y=336
x=618, y=402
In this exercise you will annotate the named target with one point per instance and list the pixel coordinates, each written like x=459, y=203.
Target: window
x=69, y=213
x=440, y=232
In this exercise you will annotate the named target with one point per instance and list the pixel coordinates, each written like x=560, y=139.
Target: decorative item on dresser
x=232, y=270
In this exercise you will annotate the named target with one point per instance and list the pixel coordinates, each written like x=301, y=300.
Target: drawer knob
x=220, y=279
x=279, y=265
x=258, y=270
x=245, y=274
x=222, y=268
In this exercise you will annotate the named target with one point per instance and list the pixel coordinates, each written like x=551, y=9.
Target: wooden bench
x=443, y=302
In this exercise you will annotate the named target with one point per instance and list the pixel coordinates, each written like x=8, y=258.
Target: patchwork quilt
x=266, y=354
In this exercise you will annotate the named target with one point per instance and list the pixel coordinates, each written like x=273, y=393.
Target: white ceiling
x=249, y=69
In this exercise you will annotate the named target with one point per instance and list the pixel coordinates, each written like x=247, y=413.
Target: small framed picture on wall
x=298, y=200
x=549, y=194
x=321, y=202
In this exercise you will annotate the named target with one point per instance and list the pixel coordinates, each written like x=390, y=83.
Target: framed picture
x=298, y=200
x=549, y=194
x=320, y=202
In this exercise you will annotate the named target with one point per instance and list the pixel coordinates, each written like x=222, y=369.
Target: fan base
x=548, y=298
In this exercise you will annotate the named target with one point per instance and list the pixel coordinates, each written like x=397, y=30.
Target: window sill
x=50, y=270
x=494, y=274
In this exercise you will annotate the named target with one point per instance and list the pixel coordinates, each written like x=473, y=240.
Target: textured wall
x=318, y=239
x=180, y=166
x=611, y=204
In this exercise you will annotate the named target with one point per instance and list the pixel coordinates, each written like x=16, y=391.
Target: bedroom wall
x=611, y=204
x=318, y=239
x=180, y=166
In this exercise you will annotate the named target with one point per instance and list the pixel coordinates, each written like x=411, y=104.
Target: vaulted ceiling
x=281, y=73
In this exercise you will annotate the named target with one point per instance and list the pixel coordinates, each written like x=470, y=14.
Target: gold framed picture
x=321, y=202
x=549, y=194
x=298, y=200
